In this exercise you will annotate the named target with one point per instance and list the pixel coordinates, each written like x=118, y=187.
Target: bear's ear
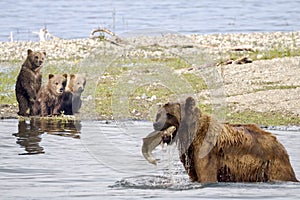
x=65, y=75
x=72, y=76
x=51, y=76
x=29, y=51
x=190, y=102
x=177, y=106
x=44, y=52
x=159, y=105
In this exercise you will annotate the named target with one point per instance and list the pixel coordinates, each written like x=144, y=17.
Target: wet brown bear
x=49, y=98
x=72, y=96
x=29, y=81
x=211, y=151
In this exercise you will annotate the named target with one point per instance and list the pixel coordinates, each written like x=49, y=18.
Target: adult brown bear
x=211, y=151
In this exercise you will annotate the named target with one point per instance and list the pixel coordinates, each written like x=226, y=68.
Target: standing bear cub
x=50, y=96
x=29, y=81
x=72, y=96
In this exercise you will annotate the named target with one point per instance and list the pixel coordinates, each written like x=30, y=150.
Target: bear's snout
x=60, y=90
x=157, y=126
x=80, y=89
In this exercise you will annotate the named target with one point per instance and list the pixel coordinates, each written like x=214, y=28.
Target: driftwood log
x=114, y=39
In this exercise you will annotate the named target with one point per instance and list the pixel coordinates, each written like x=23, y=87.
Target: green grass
x=274, y=87
x=143, y=98
x=262, y=118
x=276, y=52
x=145, y=94
x=8, y=78
x=279, y=53
x=196, y=82
x=61, y=118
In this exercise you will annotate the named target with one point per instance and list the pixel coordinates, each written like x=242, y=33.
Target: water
x=95, y=159
x=76, y=19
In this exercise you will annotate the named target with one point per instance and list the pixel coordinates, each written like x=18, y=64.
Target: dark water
x=76, y=19
x=94, y=159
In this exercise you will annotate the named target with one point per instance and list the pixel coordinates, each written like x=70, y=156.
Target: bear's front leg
x=206, y=168
x=31, y=108
x=31, y=91
x=44, y=109
x=57, y=105
x=23, y=105
x=55, y=111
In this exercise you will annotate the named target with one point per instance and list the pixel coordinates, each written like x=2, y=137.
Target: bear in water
x=220, y=152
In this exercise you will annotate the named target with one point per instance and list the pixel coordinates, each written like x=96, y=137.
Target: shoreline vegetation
x=128, y=76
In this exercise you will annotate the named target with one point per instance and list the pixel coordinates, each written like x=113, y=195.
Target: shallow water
x=96, y=159
x=76, y=19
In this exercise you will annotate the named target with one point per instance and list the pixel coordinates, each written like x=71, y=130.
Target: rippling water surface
x=75, y=19
x=95, y=159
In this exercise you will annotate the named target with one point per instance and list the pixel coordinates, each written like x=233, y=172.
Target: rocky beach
x=258, y=71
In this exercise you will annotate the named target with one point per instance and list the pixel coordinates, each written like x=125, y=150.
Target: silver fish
x=152, y=140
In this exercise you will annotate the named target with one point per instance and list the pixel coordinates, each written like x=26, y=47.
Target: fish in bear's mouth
x=168, y=135
x=154, y=139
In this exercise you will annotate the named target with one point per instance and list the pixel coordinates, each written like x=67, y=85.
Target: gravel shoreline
x=81, y=48
x=261, y=86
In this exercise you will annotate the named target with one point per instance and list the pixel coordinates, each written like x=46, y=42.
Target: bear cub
x=72, y=96
x=50, y=96
x=29, y=81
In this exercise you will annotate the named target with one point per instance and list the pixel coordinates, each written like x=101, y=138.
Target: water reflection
x=30, y=132
x=29, y=137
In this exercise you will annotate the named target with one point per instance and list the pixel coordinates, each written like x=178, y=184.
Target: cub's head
x=36, y=58
x=57, y=83
x=77, y=83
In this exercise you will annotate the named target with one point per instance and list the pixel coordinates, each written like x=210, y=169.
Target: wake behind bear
x=211, y=151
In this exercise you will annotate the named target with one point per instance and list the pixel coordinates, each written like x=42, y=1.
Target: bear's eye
x=36, y=57
x=169, y=116
x=56, y=83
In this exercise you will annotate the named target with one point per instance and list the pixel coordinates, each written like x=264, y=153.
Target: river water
x=103, y=160
x=76, y=19
x=55, y=159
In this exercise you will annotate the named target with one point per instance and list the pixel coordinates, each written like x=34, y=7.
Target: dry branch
x=114, y=38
